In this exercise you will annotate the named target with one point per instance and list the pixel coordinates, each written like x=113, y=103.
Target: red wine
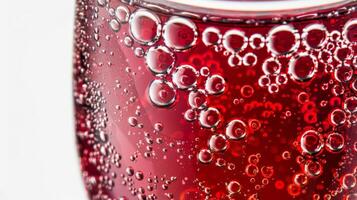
x=178, y=105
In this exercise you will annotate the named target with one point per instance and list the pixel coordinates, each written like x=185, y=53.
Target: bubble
x=313, y=168
x=235, y=41
x=264, y=81
x=122, y=13
x=185, y=77
x=273, y=88
x=129, y=171
x=215, y=84
x=335, y=36
x=247, y=91
x=302, y=67
x=250, y=59
x=190, y=115
x=271, y=66
x=251, y=170
x=338, y=117
x=314, y=36
x=325, y=56
x=267, y=171
x=283, y=40
x=236, y=129
x=335, y=142
x=102, y=2
x=160, y=59
x=139, y=175
x=286, y=155
x=204, y=71
x=311, y=142
x=234, y=60
x=197, y=99
x=253, y=159
x=218, y=143
x=139, y=52
x=128, y=41
x=256, y=41
x=350, y=104
x=349, y=32
x=254, y=124
x=145, y=27
x=180, y=33
x=211, y=36
x=343, y=73
x=162, y=93
x=233, y=187
x=209, y=118
x=300, y=179
x=281, y=79
x=114, y=25
x=294, y=189
x=348, y=181
x=205, y=156
x=132, y=121
x=343, y=53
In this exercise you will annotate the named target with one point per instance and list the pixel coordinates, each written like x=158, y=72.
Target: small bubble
x=132, y=121
x=300, y=179
x=190, y=115
x=313, y=168
x=114, y=25
x=302, y=67
x=251, y=170
x=335, y=142
x=283, y=40
x=235, y=41
x=264, y=81
x=256, y=41
x=145, y=27
x=338, y=117
x=211, y=36
x=122, y=13
x=218, y=142
x=348, y=181
x=250, y=59
x=205, y=156
x=271, y=66
x=234, y=60
x=343, y=73
x=215, y=84
x=236, y=129
x=209, y=118
x=197, y=99
x=180, y=33
x=349, y=32
x=233, y=187
x=350, y=104
x=160, y=59
x=311, y=142
x=162, y=93
x=185, y=76
x=314, y=36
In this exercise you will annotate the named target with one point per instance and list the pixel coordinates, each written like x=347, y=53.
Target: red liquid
x=180, y=108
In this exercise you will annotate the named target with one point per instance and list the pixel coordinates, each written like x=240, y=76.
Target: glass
x=216, y=99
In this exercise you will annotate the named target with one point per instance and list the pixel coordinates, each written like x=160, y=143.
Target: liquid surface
x=173, y=107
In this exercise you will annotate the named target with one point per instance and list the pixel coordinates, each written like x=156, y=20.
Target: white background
x=38, y=158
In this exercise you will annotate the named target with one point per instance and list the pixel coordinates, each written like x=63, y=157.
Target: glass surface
x=216, y=100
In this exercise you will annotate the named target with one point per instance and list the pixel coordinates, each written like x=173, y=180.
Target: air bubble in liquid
x=205, y=156
x=311, y=142
x=209, y=118
x=233, y=187
x=338, y=117
x=235, y=41
x=236, y=129
x=264, y=81
x=271, y=66
x=250, y=59
x=215, y=84
x=197, y=99
x=162, y=93
x=234, y=60
x=349, y=32
x=114, y=25
x=283, y=40
x=312, y=168
x=190, y=115
x=180, y=33
x=314, y=36
x=350, y=104
x=343, y=73
x=160, y=59
x=122, y=13
x=218, y=143
x=185, y=76
x=348, y=181
x=335, y=142
x=145, y=27
x=302, y=67
x=256, y=41
x=211, y=36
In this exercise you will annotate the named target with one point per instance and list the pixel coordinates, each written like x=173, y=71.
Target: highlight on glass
x=216, y=99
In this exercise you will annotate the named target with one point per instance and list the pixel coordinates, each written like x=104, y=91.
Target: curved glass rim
x=251, y=8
